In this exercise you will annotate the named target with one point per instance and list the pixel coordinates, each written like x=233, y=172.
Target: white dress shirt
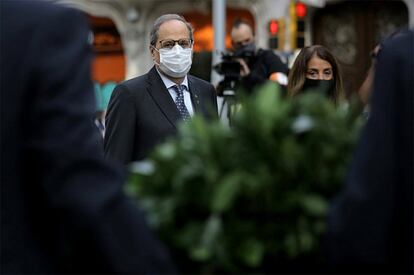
x=169, y=84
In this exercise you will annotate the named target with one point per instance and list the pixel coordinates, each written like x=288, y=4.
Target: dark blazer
x=62, y=205
x=141, y=114
x=371, y=222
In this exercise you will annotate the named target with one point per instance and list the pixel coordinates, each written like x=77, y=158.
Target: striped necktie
x=179, y=101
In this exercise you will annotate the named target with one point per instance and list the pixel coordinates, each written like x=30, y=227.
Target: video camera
x=230, y=68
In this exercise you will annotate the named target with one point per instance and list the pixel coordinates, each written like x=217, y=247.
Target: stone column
x=136, y=42
x=130, y=22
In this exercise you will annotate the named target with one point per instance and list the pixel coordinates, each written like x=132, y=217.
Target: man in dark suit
x=62, y=204
x=145, y=110
x=371, y=223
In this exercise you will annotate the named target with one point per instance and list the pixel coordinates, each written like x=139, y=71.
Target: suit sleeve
x=103, y=227
x=120, y=126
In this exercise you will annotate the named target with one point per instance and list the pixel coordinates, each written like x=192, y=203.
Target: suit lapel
x=157, y=90
x=195, y=94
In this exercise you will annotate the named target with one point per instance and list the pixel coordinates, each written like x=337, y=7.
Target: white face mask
x=175, y=62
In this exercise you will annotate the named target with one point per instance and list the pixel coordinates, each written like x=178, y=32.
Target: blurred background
x=349, y=29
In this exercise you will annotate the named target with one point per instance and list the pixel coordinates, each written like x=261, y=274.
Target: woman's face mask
x=325, y=86
x=175, y=62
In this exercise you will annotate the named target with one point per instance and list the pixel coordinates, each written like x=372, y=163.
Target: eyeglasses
x=170, y=43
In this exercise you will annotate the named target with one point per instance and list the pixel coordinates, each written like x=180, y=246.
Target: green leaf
x=306, y=241
x=226, y=192
x=291, y=245
x=190, y=234
x=209, y=238
x=315, y=205
x=166, y=151
x=251, y=252
x=211, y=231
x=200, y=254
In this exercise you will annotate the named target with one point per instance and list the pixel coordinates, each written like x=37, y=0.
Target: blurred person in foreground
x=63, y=209
x=315, y=68
x=256, y=65
x=145, y=110
x=370, y=228
x=365, y=90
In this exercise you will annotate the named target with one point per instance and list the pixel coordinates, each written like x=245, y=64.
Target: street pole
x=219, y=27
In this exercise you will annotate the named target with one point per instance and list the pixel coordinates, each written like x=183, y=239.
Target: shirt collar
x=169, y=83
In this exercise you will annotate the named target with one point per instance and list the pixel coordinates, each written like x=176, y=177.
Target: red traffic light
x=301, y=9
x=274, y=27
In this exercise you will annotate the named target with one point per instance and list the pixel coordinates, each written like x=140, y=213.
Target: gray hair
x=164, y=18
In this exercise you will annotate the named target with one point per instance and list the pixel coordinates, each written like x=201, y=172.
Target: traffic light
x=276, y=34
x=301, y=11
x=298, y=12
x=273, y=32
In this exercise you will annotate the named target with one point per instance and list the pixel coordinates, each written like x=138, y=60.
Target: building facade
x=350, y=29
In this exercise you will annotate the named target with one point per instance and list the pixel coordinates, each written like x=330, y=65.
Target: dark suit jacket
x=371, y=223
x=62, y=205
x=141, y=114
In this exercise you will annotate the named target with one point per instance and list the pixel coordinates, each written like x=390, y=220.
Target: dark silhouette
x=371, y=223
x=63, y=209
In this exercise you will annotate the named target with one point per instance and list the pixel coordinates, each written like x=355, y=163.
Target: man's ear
x=152, y=51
